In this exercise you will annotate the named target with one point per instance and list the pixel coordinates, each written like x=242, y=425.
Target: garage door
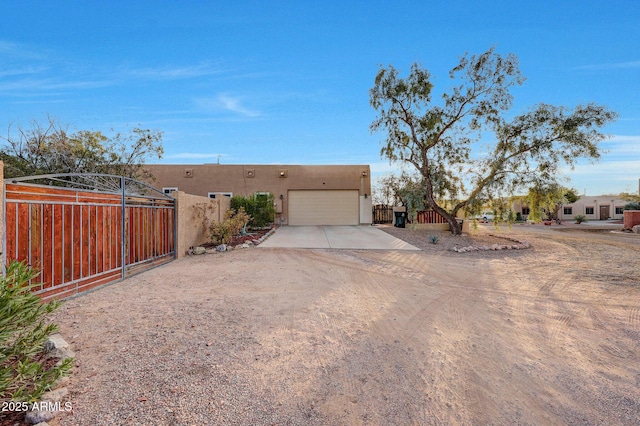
x=324, y=207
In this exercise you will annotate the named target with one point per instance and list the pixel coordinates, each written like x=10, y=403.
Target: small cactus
x=434, y=239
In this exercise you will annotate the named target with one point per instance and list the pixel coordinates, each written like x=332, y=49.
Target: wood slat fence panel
x=430, y=216
x=382, y=213
x=75, y=238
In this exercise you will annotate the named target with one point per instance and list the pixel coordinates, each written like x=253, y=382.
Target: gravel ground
x=547, y=335
x=487, y=235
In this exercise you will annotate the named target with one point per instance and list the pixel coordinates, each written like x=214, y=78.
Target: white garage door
x=324, y=207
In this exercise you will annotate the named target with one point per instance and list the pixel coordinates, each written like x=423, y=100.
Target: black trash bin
x=401, y=219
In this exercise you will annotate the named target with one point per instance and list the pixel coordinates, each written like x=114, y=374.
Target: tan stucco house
x=592, y=207
x=596, y=207
x=304, y=194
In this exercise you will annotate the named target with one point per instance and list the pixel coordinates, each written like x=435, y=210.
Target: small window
x=168, y=191
x=525, y=210
x=588, y=210
x=619, y=210
x=220, y=194
x=568, y=210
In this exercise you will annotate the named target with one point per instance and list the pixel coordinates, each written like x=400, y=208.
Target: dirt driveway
x=549, y=335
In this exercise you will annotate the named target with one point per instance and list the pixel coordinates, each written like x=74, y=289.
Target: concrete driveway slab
x=335, y=237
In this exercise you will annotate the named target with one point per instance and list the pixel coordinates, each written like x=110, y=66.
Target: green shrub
x=518, y=217
x=434, y=239
x=24, y=373
x=579, y=218
x=232, y=225
x=633, y=205
x=259, y=206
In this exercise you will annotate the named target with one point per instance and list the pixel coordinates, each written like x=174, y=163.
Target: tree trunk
x=454, y=225
x=456, y=228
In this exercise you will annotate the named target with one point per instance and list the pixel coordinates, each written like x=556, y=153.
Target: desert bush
x=633, y=205
x=232, y=225
x=24, y=372
x=434, y=239
x=259, y=206
x=579, y=218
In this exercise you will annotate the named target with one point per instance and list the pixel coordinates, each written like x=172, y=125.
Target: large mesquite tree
x=449, y=142
x=48, y=148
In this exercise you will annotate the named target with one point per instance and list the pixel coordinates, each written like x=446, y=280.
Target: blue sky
x=263, y=82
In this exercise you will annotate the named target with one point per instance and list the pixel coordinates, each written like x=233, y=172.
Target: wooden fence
x=382, y=213
x=81, y=239
x=429, y=216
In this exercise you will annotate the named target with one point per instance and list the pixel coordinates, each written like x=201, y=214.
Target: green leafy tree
x=630, y=197
x=545, y=201
x=403, y=189
x=50, y=149
x=260, y=206
x=24, y=373
x=443, y=140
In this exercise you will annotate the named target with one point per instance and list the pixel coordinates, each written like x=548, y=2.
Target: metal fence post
x=123, y=230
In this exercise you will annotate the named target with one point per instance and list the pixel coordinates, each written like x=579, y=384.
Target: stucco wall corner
x=194, y=215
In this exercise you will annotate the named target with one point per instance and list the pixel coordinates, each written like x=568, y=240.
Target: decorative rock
x=57, y=347
x=199, y=250
x=222, y=247
x=521, y=245
x=636, y=229
x=245, y=245
x=55, y=341
x=55, y=395
x=36, y=417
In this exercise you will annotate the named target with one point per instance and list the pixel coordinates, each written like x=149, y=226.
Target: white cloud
x=610, y=66
x=176, y=73
x=48, y=84
x=8, y=72
x=227, y=103
x=622, y=147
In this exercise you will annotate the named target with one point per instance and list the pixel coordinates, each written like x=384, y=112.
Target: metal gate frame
x=82, y=231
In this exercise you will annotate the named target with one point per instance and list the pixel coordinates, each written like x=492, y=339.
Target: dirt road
x=549, y=335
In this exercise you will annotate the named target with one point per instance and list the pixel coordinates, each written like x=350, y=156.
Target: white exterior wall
x=596, y=203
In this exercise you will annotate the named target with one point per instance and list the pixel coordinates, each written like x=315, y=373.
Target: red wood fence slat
x=75, y=237
x=430, y=216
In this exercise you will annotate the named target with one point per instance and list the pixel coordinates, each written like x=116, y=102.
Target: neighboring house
x=304, y=195
x=599, y=207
